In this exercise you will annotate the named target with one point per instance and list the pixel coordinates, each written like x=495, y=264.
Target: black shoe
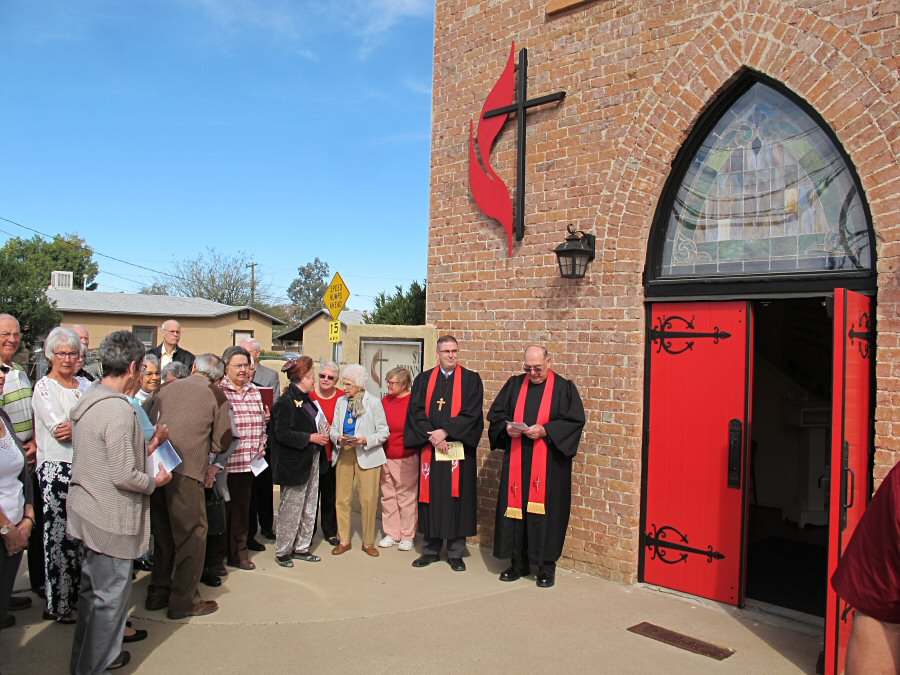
x=545, y=580
x=210, y=579
x=120, y=661
x=333, y=541
x=268, y=534
x=155, y=602
x=8, y=621
x=17, y=602
x=68, y=620
x=139, y=634
x=142, y=565
x=512, y=573
x=254, y=545
x=425, y=560
x=457, y=564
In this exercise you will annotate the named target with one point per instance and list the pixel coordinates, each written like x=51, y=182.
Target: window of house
x=146, y=334
x=240, y=335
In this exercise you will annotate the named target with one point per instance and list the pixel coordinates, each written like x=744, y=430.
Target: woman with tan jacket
x=359, y=431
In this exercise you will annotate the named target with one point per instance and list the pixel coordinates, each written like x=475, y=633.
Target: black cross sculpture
x=519, y=106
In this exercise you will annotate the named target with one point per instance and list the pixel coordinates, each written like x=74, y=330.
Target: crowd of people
x=82, y=487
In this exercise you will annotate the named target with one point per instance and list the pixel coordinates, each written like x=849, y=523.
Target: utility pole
x=252, y=267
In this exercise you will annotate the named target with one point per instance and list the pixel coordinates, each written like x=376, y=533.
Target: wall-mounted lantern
x=575, y=253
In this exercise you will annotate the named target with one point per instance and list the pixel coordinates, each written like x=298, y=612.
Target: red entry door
x=850, y=439
x=700, y=365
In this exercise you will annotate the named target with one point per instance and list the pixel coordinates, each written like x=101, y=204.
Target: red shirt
x=395, y=411
x=327, y=405
x=868, y=575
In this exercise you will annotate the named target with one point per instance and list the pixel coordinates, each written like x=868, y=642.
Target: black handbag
x=215, y=513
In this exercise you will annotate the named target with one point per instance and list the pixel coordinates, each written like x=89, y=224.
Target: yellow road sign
x=334, y=331
x=336, y=297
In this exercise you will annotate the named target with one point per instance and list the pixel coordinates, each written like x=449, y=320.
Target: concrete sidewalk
x=354, y=613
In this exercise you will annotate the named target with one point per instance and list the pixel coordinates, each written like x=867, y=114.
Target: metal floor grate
x=685, y=642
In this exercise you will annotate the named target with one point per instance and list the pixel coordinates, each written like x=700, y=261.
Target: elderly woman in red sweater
x=400, y=475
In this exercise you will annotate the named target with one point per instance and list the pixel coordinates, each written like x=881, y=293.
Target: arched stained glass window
x=767, y=193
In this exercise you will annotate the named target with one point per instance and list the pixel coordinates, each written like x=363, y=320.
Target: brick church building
x=735, y=338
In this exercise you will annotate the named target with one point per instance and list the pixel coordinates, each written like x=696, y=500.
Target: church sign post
x=488, y=189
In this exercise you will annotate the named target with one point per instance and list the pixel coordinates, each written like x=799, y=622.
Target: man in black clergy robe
x=534, y=498
x=445, y=406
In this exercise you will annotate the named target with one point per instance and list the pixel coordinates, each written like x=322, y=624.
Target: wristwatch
x=5, y=529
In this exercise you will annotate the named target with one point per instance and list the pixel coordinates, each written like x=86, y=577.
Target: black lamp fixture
x=575, y=253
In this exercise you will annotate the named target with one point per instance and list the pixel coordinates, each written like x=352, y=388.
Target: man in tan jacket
x=197, y=415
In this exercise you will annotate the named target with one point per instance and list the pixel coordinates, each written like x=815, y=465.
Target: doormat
x=685, y=642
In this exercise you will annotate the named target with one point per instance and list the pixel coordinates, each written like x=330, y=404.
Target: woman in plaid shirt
x=250, y=419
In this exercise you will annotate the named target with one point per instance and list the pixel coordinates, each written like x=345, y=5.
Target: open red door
x=850, y=439
x=699, y=379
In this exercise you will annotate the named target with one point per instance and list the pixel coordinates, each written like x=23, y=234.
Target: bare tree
x=214, y=276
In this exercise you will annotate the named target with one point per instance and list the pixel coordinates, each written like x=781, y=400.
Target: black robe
x=446, y=517
x=545, y=533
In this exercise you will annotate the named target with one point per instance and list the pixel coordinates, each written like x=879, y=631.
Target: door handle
x=851, y=480
x=735, y=443
x=847, y=476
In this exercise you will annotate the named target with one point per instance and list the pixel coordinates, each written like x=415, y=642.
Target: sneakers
x=406, y=545
x=387, y=542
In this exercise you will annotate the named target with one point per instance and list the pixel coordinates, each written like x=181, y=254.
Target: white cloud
x=417, y=85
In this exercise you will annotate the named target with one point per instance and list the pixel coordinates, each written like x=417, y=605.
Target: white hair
x=332, y=366
x=356, y=374
x=61, y=337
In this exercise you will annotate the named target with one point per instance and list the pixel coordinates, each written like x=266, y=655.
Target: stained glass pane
x=766, y=193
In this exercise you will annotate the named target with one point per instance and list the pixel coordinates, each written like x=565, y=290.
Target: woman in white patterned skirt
x=55, y=395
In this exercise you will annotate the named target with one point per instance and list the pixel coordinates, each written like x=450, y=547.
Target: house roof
x=347, y=317
x=97, y=302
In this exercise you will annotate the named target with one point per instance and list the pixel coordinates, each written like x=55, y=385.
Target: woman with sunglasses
x=55, y=395
x=326, y=394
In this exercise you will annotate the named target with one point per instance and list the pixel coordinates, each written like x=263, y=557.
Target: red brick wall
x=637, y=76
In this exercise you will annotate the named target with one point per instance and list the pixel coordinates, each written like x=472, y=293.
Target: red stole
x=425, y=461
x=537, y=494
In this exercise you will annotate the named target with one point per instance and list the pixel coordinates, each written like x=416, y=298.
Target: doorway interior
x=788, y=500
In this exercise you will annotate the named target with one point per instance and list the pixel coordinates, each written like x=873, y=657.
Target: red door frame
x=851, y=441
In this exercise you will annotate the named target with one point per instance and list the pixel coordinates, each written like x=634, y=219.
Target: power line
x=94, y=251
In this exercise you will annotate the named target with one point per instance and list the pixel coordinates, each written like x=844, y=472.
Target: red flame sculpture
x=489, y=191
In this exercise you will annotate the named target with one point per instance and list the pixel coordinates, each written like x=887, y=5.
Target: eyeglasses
x=323, y=376
x=392, y=383
x=67, y=355
x=172, y=332
x=239, y=366
x=537, y=370
x=448, y=351
x=7, y=336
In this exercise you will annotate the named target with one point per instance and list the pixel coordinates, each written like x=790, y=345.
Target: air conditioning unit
x=60, y=280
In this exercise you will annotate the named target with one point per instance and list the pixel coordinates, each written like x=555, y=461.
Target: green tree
x=67, y=253
x=23, y=295
x=400, y=309
x=308, y=289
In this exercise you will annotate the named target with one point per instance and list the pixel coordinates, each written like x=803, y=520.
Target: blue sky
x=284, y=129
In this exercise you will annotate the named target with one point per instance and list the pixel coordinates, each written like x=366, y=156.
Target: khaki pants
x=367, y=480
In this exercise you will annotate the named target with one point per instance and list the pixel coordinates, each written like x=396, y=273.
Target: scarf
x=425, y=467
x=537, y=494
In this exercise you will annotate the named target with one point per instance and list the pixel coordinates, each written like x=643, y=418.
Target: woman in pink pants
x=400, y=475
